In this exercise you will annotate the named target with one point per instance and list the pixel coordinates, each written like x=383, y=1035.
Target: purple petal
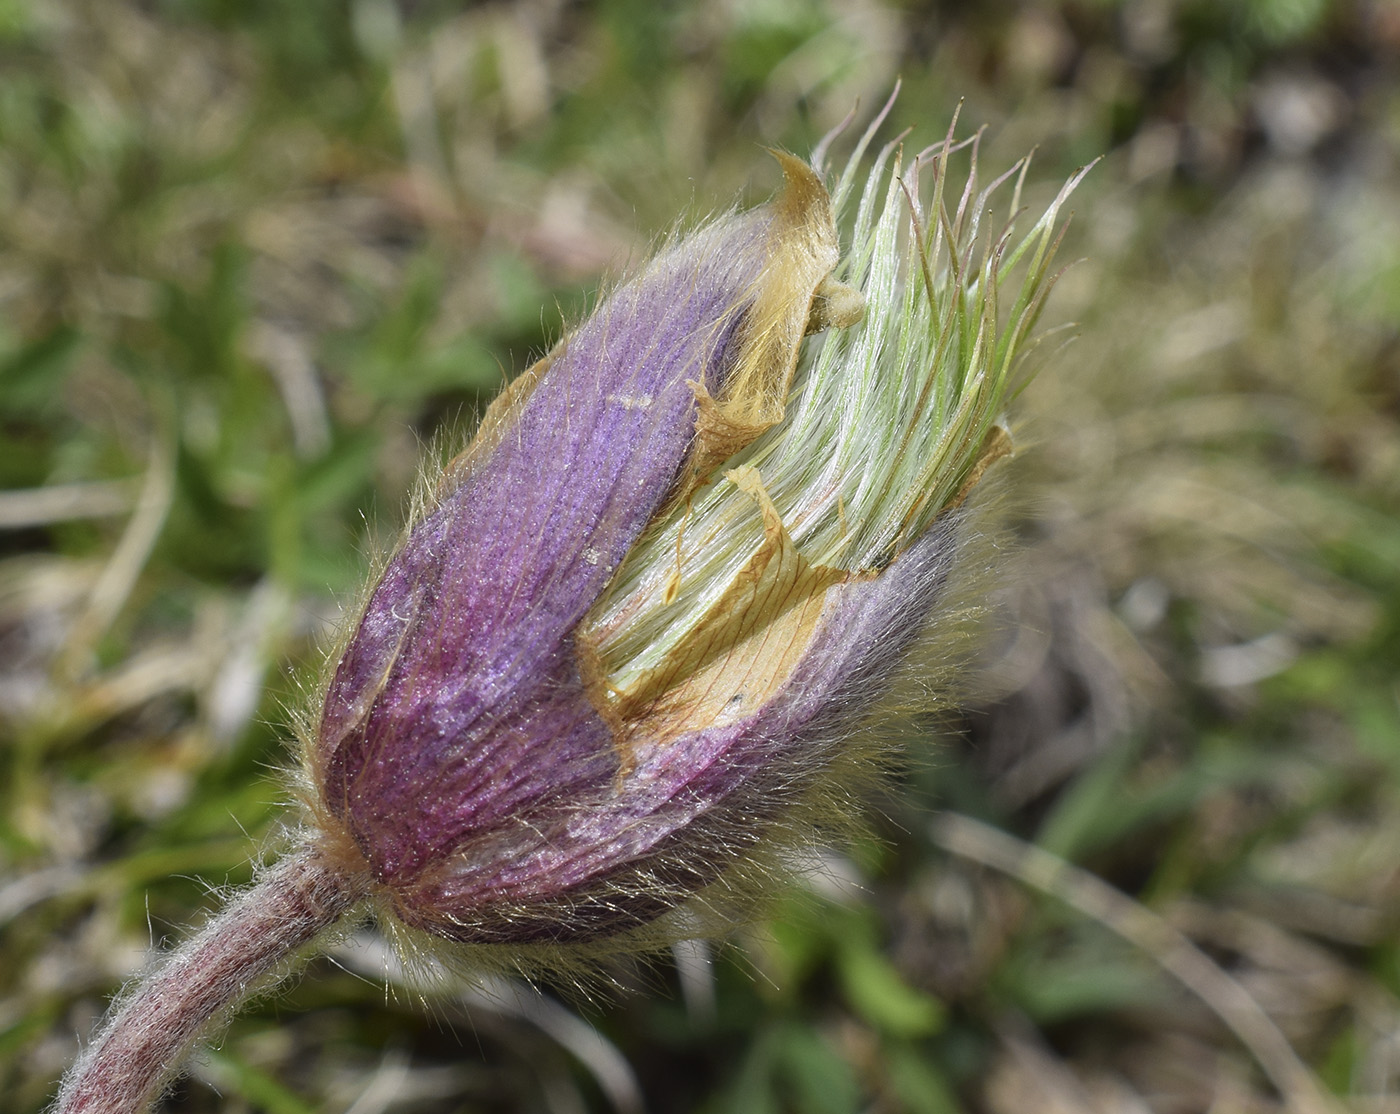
x=444, y=717
x=623, y=851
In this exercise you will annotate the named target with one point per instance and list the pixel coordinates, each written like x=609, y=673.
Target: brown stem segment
x=149, y=1033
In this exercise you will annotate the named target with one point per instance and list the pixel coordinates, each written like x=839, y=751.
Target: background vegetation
x=252, y=255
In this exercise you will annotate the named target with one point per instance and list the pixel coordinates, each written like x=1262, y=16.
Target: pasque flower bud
x=621, y=648
x=464, y=746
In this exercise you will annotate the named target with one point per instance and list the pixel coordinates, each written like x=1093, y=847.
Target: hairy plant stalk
x=147, y=1037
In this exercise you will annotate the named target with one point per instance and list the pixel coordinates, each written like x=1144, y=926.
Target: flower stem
x=150, y=1031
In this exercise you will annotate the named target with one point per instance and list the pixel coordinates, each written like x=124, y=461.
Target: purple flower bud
x=459, y=746
x=506, y=768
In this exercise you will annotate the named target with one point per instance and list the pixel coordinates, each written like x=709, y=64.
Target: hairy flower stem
x=150, y=1033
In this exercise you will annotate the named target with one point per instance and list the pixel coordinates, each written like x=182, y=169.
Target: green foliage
x=239, y=1078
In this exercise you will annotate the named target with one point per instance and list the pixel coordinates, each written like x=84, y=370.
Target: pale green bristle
x=886, y=418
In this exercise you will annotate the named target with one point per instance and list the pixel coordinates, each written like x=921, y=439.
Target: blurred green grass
x=253, y=257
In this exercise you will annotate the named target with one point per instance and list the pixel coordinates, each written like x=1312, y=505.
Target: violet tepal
x=618, y=657
x=466, y=747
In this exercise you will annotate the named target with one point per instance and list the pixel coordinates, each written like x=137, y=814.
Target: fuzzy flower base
x=612, y=671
